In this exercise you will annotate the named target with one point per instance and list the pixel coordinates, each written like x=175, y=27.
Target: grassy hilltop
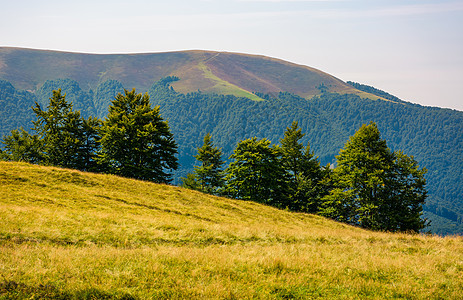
x=209, y=71
x=68, y=234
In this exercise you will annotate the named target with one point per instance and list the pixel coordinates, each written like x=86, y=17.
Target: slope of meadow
x=67, y=234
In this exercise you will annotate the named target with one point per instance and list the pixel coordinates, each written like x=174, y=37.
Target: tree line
x=432, y=135
x=132, y=141
x=371, y=186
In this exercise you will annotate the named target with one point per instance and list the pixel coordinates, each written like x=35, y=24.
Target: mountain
x=67, y=234
x=211, y=72
x=237, y=96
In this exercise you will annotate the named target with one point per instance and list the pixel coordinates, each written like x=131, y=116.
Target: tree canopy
x=135, y=141
x=374, y=187
x=208, y=177
x=304, y=174
x=62, y=137
x=21, y=146
x=60, y=129
x=256, y=173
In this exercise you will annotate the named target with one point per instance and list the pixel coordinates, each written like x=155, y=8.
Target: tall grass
x=67, y=234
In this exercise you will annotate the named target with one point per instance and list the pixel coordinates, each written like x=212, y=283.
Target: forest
x=433, y=136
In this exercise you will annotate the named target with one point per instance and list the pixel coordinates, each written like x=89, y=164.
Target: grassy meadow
x=66, y=234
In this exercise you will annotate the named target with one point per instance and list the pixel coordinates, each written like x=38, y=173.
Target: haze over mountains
x=236, y=96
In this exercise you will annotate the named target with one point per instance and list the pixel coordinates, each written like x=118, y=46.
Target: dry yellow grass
x=68, y=234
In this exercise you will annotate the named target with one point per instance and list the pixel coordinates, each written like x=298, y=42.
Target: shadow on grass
x=14, y=290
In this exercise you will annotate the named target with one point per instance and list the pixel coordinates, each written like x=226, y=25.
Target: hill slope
x=433, y=135
x=217, y=72
x=71, y=234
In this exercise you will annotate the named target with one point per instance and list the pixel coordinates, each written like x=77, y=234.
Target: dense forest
x=432, y=135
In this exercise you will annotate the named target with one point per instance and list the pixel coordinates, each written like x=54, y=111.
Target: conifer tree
x=304, y=171
x=90, y=145
x=207, y=177
x=136, y=142
x=190, y=182
x=21, y=146
x=61, y=132
x=63, y=137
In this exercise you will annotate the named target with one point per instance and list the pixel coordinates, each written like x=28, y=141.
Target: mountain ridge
x=219, y=72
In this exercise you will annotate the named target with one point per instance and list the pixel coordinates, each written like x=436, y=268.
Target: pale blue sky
x=412, y=49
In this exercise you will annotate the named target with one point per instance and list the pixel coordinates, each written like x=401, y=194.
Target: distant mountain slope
x=15, y=108
x=217, y=72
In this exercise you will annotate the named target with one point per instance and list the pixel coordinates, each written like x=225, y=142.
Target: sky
x=411, y=49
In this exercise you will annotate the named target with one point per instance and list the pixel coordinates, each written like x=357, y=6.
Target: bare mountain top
x=208, y=71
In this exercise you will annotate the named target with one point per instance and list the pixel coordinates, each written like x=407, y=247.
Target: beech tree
x=135, y=141
x=374, y=187
x=256, y=173
x=404, y=210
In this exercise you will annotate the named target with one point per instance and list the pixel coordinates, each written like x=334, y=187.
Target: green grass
x=224, y=87
x=70, y=235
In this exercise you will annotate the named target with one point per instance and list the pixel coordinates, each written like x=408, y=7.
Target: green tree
x=207, y=177
x=304, y=172
x=407, y=196
x=256, y=173
x=61, y=132
x=374, y=187
x=21, y=146
x=190, y=182
x=90, y=144
x=135, y=141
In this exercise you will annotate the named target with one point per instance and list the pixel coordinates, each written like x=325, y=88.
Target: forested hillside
x=433, y=136
x=15, y=108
